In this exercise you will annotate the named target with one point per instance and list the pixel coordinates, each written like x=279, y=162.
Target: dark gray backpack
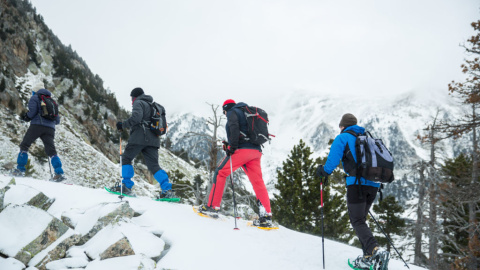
x=374, y=161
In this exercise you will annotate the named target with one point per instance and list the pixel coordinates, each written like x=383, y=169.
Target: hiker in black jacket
x=142, y=140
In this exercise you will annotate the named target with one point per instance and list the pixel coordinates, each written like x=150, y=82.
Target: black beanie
x=348, y=119
x=136, y=92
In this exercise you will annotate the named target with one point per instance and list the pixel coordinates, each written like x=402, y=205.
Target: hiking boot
x=380, y=258
x=204, y=209
x=17, y=172
x=122, y=189
x=263, y=221
x=59, y=178
x=362, y=262
x=166, y=194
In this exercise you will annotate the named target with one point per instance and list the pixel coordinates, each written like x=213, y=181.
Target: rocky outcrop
x=119, y=249
x=41, y=201
x=124, y=211
x=59, y=252
x=2, y=196
x=54, y=230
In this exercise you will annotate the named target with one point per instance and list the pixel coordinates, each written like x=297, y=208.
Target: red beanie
x=228, y=101
x=228, y=104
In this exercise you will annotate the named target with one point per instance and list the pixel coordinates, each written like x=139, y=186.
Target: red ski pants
x=249, y=160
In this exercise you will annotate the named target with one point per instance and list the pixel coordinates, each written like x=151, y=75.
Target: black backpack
x=257, y=125
x=158, y=121
x=49, y=107
x=374, y=161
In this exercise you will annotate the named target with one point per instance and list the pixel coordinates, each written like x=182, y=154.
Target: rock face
x=2, y=196
x=54, y=230
x=59, y=251
x=119, y=249
x=124, y=211
x=41, y=201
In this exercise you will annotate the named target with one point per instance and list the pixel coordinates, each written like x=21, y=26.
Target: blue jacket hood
x=356, y=129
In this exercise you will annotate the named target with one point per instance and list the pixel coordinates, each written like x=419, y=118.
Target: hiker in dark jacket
x=141, y=140
x=42, y=128
x=241, y=154
x=358, y=207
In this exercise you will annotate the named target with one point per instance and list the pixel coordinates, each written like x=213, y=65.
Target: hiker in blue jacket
x=359, y=197
x=42, y=128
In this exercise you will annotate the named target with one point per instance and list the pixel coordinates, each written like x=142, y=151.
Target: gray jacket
x=140, y=134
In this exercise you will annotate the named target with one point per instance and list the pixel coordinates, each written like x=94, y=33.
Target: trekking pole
x=233, y=189
x=321, y=207
x=50, y=167
x=121, y=184
x=389, y=240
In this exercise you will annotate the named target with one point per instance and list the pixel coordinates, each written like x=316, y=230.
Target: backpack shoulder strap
x=351, y=132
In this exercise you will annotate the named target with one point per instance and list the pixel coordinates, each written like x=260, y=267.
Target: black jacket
x=140, y=134
x=237, y=128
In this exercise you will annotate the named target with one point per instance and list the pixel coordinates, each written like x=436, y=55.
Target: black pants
x=150, y=153
x=358, y=211
x=46, y=134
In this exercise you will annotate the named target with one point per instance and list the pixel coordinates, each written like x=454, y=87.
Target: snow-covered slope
x=193, y=242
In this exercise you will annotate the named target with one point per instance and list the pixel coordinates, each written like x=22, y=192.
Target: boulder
x=59, y=252
x=2, y=197
x=54, y=230
x=119, y=249
x=26, y=230
x=122, y=211
x=41, y=201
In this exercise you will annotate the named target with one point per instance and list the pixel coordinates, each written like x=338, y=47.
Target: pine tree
x=389, y=211
x=454, y=196
x=467, y=92
x=297, y=206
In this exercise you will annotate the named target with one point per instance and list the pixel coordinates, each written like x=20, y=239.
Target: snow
x=193, y=242
x=19, y=195
x=20, y=225
x=11, y=264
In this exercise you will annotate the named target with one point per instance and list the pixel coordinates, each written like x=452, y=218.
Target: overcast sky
x=188, y=52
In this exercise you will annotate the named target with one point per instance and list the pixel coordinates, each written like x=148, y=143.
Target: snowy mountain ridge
x=314, y=118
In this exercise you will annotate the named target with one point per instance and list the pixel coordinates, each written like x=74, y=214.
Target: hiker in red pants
x=242, y=154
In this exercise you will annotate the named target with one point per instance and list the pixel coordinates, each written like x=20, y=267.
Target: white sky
x=188, y=52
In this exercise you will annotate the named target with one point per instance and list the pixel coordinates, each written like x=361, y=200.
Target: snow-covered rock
x=27, y=230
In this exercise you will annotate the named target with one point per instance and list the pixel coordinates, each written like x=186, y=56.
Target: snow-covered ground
x=194, y=242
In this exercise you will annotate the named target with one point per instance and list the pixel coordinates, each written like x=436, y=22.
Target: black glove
x=230, y=150
x=321, y=173
x=26, y=118
x=225, y=146
x=119, y=126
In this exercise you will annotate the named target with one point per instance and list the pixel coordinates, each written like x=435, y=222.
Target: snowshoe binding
x=121, y=189
x=380, y=259
x=17, y=172
x=167, y=196
x=209, y=211
x=58, y=178
x=264, y=221
x=362, y=263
